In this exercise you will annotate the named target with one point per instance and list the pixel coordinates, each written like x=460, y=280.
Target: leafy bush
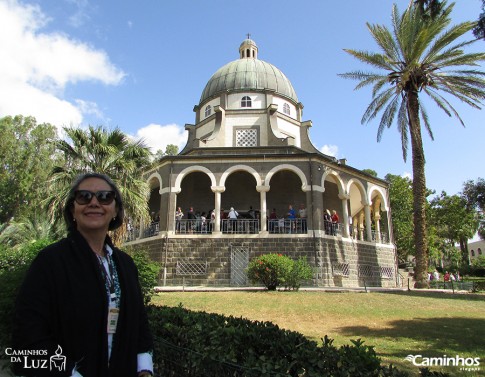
x=273, y=270
x=299, y=271
x=201, y=344
x=148, y=271
x=13, y=267
x=269, y=270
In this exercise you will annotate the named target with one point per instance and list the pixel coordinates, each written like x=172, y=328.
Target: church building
x=250, y=182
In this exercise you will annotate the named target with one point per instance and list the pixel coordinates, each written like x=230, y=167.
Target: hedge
x=200, y=344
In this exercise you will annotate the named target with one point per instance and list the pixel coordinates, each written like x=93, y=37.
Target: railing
x=379, y=237
x=252, y=226
x=332, y=229
x=240, y=226
x=287, y=226
x=193, y=226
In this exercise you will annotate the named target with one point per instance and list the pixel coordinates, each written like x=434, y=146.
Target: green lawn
x=397, y=324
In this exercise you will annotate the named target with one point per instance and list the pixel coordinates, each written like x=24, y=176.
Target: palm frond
x=388, y=116
x=402, y=126
x=374, y=59
x=424, y=117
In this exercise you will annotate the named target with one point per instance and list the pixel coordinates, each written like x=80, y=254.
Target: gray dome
x=248, y=74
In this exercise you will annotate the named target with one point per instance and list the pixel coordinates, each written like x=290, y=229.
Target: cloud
x=81, y=16
x=331, y=150
x=36, y=67
x=407, y=174
x=158, y=137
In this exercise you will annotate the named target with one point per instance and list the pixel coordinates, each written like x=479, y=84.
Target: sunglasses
x=84, y=197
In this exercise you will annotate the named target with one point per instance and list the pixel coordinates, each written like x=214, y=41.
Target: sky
x=141, y=66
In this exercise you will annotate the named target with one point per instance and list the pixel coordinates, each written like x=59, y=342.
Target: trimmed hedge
x=201, y=344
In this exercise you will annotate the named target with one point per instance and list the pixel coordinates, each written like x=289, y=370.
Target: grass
x=398, y=324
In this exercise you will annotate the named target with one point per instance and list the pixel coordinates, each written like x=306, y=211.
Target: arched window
x=246, y=101
x=473, y=253
x=207, y=110
x=286, y=109
x=479, y=251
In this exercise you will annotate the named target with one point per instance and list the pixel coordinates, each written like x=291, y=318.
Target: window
x=246, y=138
x=473, y=253
x=479, y=251
x=286, y=109
x=208, y=111
x=246, y=101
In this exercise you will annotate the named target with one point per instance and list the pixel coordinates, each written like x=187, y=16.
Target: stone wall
x=338, y=262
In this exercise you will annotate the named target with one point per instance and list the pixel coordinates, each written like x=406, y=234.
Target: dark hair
x=69, y=205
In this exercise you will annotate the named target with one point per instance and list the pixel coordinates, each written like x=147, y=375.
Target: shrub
x=269, y=270
x=201, y=344
x=300, y=270
x=13, y=267
x=274, y=270
x=148, y=271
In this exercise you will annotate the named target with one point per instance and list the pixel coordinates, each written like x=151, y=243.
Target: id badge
x=113, y=314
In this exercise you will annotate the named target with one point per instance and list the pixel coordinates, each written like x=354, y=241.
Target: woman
x=81, y=298
x=335, y=220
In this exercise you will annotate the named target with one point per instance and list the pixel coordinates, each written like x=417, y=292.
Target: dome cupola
x=248, y=73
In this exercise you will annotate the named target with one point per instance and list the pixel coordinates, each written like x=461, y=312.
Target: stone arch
x=191, y=169
x=381, y=192
x=337, y=179
x=292, y=168
x=245, y=168
x=157, y=178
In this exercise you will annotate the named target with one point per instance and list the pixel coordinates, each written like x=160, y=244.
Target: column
x=315, y=219
x=263, y=207
x=345, y=213
x=368, y=226
x=361, y=225
x=377, y=217
x=217, y=190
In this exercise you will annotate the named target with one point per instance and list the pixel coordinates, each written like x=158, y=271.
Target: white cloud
x=36, y=67
x=81, y=16
x=331, y=150
x=407, y=174
x=158, y=137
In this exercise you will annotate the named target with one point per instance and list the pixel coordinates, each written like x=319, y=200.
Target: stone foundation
x=216, y=261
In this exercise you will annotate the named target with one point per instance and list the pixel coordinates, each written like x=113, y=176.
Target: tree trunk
x=419, y=193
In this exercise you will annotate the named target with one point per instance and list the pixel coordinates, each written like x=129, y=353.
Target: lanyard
x=109, y=280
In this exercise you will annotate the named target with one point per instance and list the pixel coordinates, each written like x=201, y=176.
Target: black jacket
x=63, y=302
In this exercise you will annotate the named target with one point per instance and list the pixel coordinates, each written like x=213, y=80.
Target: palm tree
x=102, y=151
x=28, y=229
x=418, y=57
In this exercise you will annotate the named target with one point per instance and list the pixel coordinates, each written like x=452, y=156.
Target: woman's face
x=93, y=216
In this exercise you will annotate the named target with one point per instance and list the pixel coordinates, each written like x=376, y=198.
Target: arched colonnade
x=361, y=205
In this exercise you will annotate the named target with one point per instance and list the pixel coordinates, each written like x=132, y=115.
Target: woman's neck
x=96, y=241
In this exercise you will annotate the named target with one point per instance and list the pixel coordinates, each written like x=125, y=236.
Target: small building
x=249, y=152
x=476, y=250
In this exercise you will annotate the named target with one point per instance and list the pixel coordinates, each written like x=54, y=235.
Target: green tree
x=102, y=151
x=474, y=194
x=454, y=221
x=27, y=149
x=27, y=230
x=429, y=9
x=418, y=57
x=370, y=172
x=401, y=198
x=170, y=150
x=479, y=30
